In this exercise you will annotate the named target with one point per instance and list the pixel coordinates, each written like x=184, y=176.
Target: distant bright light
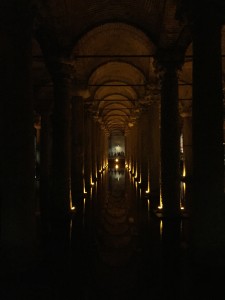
x=116, y=166
x=116, y=160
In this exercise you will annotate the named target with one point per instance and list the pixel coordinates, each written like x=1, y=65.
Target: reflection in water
x=115, y=231
x=115, y=247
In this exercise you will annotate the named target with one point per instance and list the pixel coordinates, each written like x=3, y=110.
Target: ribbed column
x=18, y=221
x=77, y=157
x=62, y=76
x=208, y=207
x=170, y=140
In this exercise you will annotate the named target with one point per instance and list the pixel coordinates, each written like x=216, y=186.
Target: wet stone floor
x=115, y=248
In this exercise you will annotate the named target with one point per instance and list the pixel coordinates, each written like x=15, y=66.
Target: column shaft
x=45, y=165
x=18, y=221
x=77, y=170
x=170, y=143
x=61, y=142
x=208, y=166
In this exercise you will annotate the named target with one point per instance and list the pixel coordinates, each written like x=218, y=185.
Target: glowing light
x=148, y=190
x=184, y=171
x=116, y=166
x=161, y=228
x=84, y=206
x=148, y=205
x=72, y=208
x=160, y=200
x=182, y=195
x=116, y=160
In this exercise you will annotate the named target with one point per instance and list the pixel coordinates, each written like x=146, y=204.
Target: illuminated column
x=139, y=150
x=102, y=147
x=133, y=141
x=208, y=206
x=77, y=156
x=186, y=114
x=144, y=147
x=154, y=148
x=98, y=146
x=170, y=139
x=87, y=148
x=18, y=220
x=61, y=148
x=94, y=151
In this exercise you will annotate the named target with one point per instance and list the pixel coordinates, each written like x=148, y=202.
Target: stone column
x=87, y=149
x=45, y=164
x=154, y=149
x=186, y=115
x=208, y=206
x=170, y=139
x=62, y=77
x=18, y=220
x=37, y=127
x=77, y=169
x=94, y=151
x=144, y=128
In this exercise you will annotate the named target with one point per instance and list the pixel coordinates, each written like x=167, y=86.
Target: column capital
x=152, y=95
x=168, y=60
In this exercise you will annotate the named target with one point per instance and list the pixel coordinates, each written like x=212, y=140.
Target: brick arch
x=116, y=42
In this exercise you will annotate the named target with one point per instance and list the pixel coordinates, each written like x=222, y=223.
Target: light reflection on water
x=124, y=241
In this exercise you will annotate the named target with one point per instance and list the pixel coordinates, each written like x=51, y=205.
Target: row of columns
x=202, y=145
x=159, y=137
x=18, y=220
x=79, y=151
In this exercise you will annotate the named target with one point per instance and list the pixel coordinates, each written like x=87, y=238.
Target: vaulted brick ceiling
x=111, y=45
